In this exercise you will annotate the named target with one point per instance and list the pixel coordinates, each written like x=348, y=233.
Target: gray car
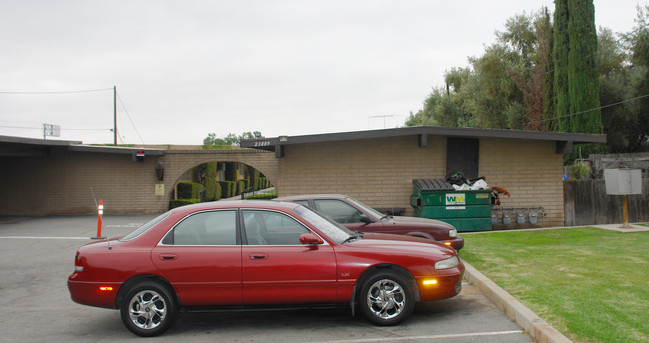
x=355, y=215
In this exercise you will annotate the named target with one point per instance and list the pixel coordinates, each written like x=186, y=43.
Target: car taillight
x=78, y=264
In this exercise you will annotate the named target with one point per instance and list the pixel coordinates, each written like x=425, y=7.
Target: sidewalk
x=637, y=227
x=261, y=191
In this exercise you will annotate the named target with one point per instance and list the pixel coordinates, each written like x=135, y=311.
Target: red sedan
x=355, y=215
x=252, y=253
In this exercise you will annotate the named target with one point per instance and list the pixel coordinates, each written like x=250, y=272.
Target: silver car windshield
x=374, y=213
x=331, y=229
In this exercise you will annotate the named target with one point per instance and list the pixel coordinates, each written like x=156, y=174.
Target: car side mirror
x=365, y=219
x=309, y=238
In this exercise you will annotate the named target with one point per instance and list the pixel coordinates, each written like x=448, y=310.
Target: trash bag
x=456, y=178
x=478, y=185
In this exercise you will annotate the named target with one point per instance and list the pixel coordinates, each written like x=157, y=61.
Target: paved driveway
x=37, y=255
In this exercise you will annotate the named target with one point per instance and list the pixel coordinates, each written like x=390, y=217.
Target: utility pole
x=115, y=115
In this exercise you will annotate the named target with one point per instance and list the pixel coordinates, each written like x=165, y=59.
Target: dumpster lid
x=433, y=185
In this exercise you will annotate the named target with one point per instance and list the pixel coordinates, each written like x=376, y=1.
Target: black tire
x=386, y=298
x=148, y=309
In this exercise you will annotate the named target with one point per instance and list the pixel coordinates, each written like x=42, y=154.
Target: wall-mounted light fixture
x=160, y=172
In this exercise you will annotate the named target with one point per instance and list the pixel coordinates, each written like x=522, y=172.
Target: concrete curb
x=537, y=328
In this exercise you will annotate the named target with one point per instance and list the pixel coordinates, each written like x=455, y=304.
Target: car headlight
x=452, y=233
x=447, y=263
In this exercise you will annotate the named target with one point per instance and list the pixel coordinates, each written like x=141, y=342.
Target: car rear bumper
x=99, y=294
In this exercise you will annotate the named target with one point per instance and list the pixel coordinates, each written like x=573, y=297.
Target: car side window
x=205, y=228
x=302, y=202
x=271, y=228
x=339, y=211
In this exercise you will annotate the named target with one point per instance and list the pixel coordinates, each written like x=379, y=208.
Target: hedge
x=228, y=189
x=241, y=186
x=189, y=190
x=230, y=171
x=182, y=202
x=264, y=182
x=269, y=195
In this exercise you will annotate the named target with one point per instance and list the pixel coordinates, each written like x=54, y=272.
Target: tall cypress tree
x=560, y=51
x=583, y=74
x=549, y=104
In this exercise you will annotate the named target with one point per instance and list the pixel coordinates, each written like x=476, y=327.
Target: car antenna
x=99, y=219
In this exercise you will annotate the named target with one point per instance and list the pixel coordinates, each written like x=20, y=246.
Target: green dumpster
x=466, y=210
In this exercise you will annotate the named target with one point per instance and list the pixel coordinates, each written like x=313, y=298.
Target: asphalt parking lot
x=37, y=255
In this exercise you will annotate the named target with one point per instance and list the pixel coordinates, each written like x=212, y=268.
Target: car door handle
x=168, y=257
x=258, y=256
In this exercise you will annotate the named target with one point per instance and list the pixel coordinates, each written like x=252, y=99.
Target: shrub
x=182, y=202
x=246, y=183
x=217, y=190
x=268, y=196
x=188, y=190
x=241, y=186
x=580, y=170
x=230, y=171
x=210, y=181
x=227, y=189
x=264, y=183
x=254, y=180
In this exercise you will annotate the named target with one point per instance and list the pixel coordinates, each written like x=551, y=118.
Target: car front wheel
x=386, y=298
x=148, y=309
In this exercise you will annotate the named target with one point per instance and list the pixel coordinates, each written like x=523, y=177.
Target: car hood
x=402, y=242
x=421, y=221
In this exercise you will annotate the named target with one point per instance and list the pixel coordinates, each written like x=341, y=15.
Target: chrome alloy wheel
x=147, y=309
x=386, y=299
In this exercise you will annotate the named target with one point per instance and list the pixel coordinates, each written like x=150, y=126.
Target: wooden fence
x=586, y=203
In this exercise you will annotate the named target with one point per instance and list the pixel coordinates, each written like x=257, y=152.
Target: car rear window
x=145, y=227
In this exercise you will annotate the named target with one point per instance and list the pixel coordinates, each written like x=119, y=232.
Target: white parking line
x=31, y=237
x=406, y=338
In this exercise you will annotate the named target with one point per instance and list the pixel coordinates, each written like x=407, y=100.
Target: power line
x=55, y=92
x=40, y=128
x=129, y=118
x=75, y=92
x=591, y=110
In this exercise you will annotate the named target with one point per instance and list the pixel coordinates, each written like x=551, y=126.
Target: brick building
x=377, y=167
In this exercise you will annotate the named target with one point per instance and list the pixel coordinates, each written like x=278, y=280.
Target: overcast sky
x=186, y=68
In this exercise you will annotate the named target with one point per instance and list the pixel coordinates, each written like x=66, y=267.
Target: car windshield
x=372, y=212
x=331, y=229
x=145, y=227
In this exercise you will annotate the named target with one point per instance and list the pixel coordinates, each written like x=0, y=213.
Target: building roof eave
x=271, y=143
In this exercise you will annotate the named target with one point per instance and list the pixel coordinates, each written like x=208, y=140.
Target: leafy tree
x=490, y=90
x=545, y=75
x=444, y=107
x=614, y=87
x=638, y=43
x=213, y=142
x=530, y=70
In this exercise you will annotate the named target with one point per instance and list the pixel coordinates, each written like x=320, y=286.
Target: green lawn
x=591, y=284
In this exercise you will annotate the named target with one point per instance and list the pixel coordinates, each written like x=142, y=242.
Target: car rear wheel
x=148, y=309
x=386, y=298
